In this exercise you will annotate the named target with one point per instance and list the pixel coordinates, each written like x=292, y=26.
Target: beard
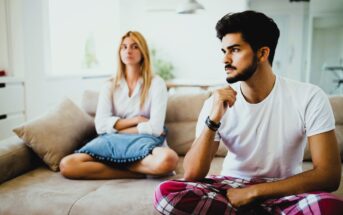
x=245, y=74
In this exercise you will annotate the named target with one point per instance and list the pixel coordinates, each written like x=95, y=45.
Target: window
x=83, y=37
x=3, y=38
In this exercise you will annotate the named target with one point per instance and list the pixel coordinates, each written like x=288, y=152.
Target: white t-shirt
x=112, y=108
x=268, y=139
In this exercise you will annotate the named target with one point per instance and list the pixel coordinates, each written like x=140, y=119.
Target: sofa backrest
x=337, y=108
x=182, y=115
x=90, y=101
x=181, y=118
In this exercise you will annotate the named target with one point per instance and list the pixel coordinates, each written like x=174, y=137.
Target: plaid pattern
x=208, y=196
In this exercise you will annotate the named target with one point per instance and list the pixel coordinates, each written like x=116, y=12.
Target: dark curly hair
x=256, y=28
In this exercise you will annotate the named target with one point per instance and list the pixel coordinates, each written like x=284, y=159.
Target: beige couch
x=29, y=187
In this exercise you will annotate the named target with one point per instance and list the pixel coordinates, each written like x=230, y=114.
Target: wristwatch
x=212, y=125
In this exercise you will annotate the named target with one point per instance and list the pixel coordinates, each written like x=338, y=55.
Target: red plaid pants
x=208, y=196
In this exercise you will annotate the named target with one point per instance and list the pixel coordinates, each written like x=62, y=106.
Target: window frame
x=53, y=73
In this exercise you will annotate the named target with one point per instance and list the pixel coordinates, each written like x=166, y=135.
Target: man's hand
x=239, y=197
x=223, y=98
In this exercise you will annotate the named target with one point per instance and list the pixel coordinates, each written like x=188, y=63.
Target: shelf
x=202, y=84
x=9, y=79
x=12, y=108
x=334, y=68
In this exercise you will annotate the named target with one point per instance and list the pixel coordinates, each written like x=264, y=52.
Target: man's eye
x=235, y=50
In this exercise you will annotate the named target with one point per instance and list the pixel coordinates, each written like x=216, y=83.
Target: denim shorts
x=121, y=148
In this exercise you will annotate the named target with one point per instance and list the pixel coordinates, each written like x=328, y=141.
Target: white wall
x=326, y=53
x=326, y=44
x=3, y=37
x=292, y=19
x=42, y=91
x=187, y=40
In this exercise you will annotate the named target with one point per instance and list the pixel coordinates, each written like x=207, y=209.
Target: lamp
x=188, y=6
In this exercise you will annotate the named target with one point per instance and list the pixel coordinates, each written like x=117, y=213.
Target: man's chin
x=232, y=80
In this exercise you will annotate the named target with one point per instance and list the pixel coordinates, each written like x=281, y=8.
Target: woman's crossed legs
x=160, y=162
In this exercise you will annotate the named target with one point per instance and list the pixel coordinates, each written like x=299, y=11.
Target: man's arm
x=325, y=175
x=198, y=159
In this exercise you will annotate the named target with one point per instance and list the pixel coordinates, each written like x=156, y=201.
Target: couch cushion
x=129, y=196
x=339, y=135
x=337, y=107
x=42, y=191
x=185, y=107
x=180, y=136
x=124, y=196
x=45, y=192
x=90, y=101
x=182, y=115
x=15, y=158
x=57, y=133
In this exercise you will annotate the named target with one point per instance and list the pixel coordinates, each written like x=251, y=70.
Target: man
x=265, y=121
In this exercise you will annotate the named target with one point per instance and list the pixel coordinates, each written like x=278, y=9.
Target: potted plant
x=161, y=67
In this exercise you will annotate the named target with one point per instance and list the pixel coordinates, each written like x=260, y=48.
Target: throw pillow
x=57, y=133
x=122, y=148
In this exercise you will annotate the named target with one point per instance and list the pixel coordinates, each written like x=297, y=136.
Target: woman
x=134, y=102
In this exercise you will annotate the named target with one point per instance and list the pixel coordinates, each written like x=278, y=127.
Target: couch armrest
x=15, y=158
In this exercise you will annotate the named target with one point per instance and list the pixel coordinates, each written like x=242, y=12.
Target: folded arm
x=131, y=130
x=107, y=122
x=124, y=124
x=158, y=108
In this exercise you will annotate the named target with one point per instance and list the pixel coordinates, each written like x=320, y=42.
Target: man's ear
x=263, y=53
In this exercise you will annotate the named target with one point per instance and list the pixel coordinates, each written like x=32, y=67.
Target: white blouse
x=120, y=106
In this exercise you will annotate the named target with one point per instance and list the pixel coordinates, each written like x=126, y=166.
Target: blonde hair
x=146, y=70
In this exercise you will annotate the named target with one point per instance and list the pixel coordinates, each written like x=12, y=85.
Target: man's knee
x=165, y=190
x=171, y=186
x=330, y=204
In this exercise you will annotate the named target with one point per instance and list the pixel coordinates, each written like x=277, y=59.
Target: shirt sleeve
x=204, y=113
x=159, y=98
x=104, y=119
x=319, y=116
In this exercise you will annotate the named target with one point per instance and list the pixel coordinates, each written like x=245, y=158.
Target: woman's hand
x=139, y=119
x=129, y=123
